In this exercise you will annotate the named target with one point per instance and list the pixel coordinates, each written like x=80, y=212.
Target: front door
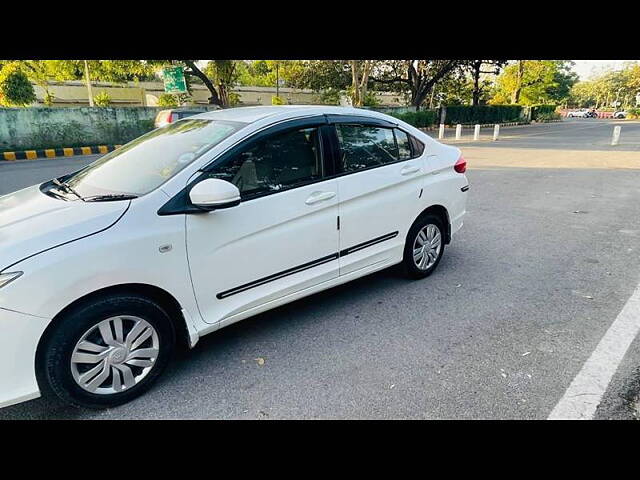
x=282, y=238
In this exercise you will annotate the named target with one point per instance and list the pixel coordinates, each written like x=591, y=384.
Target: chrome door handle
x=409, y=169
x=316, y=197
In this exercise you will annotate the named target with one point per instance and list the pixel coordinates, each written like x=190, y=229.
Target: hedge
x=543, y=111
x=480, y=114
x=419, y=119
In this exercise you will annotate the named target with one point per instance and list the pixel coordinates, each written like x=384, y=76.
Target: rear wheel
x=107, y=352
x=424, y=247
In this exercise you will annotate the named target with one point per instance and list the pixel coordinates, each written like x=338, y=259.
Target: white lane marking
x=550, y=132
x=585, y=392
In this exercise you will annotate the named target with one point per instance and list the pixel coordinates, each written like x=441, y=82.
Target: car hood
x=31, y=222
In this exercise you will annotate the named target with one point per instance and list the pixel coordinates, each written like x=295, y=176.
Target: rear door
x=379, y=183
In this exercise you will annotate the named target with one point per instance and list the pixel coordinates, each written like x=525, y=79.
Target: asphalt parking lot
x=548, y=257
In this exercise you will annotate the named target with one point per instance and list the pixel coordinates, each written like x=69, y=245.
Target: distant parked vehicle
x=591, y=113
x=620, y=114
x=165, y=117
x=578, y=113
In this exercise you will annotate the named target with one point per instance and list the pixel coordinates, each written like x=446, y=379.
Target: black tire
x=410, y=269
x=54, y=359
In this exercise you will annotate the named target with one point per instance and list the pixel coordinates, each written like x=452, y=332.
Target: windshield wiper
x=110, y=197
x=67, y=188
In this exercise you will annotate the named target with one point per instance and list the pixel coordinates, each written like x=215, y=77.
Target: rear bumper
x=19, y=337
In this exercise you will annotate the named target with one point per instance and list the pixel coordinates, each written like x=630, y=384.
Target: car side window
x=279, y=162
x=404, y=146
x=417, y=146
x=363, y=147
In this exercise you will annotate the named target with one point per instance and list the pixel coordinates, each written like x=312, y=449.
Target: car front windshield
x=147, y=162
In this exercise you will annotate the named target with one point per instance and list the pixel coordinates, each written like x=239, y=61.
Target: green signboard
x=174, y=81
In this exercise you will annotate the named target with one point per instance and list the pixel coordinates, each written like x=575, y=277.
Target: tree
x=530, y=82
x=225, y=75
x=360, y=71
x=15, y=87
x=417, y=77
x=475, y=67
x=608, y=87
x=193, y=72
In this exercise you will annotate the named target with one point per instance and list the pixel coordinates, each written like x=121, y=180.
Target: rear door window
x=363, y=147
x=404, y=145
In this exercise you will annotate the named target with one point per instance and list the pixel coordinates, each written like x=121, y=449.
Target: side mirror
x=214, y=194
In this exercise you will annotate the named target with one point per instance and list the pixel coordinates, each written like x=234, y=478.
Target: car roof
x=282, y=112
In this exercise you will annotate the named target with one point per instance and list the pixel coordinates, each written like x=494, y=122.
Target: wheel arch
x=166, y=300
x=443, y=214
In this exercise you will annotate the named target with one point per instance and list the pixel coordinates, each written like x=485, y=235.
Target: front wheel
x=424, y=247
x=106, y=352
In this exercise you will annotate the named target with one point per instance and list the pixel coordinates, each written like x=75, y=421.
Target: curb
x=57, y=152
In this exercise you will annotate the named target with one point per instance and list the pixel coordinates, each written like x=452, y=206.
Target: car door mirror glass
x=213, y=194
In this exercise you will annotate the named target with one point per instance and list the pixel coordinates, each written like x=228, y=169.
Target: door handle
x=316, y=197
x=409, y=169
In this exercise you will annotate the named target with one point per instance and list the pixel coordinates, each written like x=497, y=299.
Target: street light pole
x=277, y=79
x=88, y=79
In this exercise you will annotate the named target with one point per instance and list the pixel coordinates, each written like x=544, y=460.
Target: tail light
x=164, y=117
x=461, y=165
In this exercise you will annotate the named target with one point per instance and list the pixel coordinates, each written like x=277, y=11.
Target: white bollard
x=616, y=135
x=458, y=131
x=476, y=132
x=441, y=131
x=496, y=132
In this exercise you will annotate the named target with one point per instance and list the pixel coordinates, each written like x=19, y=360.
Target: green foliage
x=539, y=110
x=277, y=100
x=547, y=117
x=543, y=81
x=633, y=113
x=102, y=99
x=15, y=87
x=224, y=74
x=419, y=119
x=167, y=100
x=470, y=115
x=330, y=96
x=234, y=99
x=608, y=87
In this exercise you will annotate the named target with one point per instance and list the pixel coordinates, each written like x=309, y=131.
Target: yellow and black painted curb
x=57, y=152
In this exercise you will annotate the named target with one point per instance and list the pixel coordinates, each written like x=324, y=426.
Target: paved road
x=520, y=300
x=570, y=134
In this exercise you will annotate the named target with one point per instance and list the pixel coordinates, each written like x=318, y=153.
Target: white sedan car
x=578, y=113
x=200, y=224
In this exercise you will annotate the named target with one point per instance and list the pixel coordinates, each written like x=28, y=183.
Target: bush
x=102, y=99
x=15, y=87
x=234, y=99
x=277, y=100
x=419, y=119
x=167, y=100
x=542, y=110
x=633, y=113
x=470, y=115
x=548, y=116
